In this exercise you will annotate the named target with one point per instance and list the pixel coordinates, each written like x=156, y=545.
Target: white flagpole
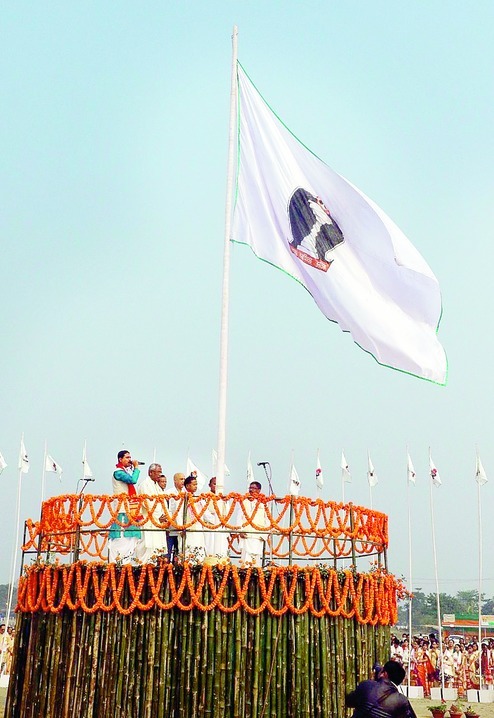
x=16, y=542
x=438, y=603
x=410, y=585
x=43, y=477
x=368, y=477
x=479, y=504
x=220, y=478
x=154, y=455
x=342, y=480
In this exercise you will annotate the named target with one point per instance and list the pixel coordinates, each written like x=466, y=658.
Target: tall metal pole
x=410, y=585
x=438, y=603
x=480, y=479
x=220, y=476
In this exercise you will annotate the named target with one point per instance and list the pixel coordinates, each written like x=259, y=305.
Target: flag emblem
x=314, y=232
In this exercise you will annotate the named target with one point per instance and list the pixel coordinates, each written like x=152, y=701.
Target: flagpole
x=43, y=477
x=16, y=541
x=220, y=478
x=369, y=477
x=438, y=604
x=12, y=570
x=479, y=505
x=410, y=590
x=342, y=480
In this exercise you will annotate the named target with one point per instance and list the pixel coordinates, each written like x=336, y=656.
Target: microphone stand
x=264, y=464
x=77, y=536
x=271, y=491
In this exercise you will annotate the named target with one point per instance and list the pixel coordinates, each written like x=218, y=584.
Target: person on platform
x=153, y=539
x=381, y=698
x=174, y=505
x=123, y=539
x=253, y=520
x=216, y=539
x=195, y=544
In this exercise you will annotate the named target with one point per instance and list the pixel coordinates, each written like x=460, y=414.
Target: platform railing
x=295, y=529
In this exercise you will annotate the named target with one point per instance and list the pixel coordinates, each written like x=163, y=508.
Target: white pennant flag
x=51, y=465
x=296, y=213
x=87, y=474
x=23, y=458
x=410, y=470
x=3, y=463
x=250, y=471
x=201, y=477
x=480, y=475
x=371, y=474
x=294, y=481
x=436, y=479
x=215, y=464
x=345, y=470
x=319, y=474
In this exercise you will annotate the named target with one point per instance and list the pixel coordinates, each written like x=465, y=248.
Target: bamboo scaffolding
x=192, y=663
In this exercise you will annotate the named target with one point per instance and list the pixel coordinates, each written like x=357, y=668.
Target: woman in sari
x=423, y=668
x=473, y=666
x=448, y=668
x=460, y=668
x=485, y=663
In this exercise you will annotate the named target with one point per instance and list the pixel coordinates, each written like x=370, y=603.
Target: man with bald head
x=153, y=542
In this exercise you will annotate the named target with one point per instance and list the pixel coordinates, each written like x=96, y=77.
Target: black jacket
x=379, y=699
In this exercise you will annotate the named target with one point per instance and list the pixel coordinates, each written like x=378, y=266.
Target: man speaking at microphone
x=124, y=539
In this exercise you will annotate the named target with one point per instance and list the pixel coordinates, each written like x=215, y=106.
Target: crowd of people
x=462, y=665
x=204, y=538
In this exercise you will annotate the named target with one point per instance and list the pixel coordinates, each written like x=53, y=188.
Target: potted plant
x=455, y=711
x=471, y=712
x=438, y=711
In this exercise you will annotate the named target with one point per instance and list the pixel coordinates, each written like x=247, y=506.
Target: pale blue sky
x=113, y=138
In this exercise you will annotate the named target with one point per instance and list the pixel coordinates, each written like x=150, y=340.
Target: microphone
x=263, y=463
x=141, y=463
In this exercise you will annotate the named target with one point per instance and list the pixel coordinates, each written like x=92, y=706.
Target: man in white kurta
x=252, y=518
x=153, y=541
x=123, y=535
x=195, y=544
x=216, y=539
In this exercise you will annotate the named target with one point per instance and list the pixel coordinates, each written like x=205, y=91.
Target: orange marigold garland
x=368, y=598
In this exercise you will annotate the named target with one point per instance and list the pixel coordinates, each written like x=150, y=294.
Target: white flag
x=215, y=463
x=345, y=470
x=87, y=474
x=3, y=463
x=201, y=478
x=319, y=474
x=294, y=482
x=23, y=459
x=436, y=479
x=410, y=470
x=51, y=465
x=371, y=474
x=250, y=471
x=361, y=270
x=480, y=474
